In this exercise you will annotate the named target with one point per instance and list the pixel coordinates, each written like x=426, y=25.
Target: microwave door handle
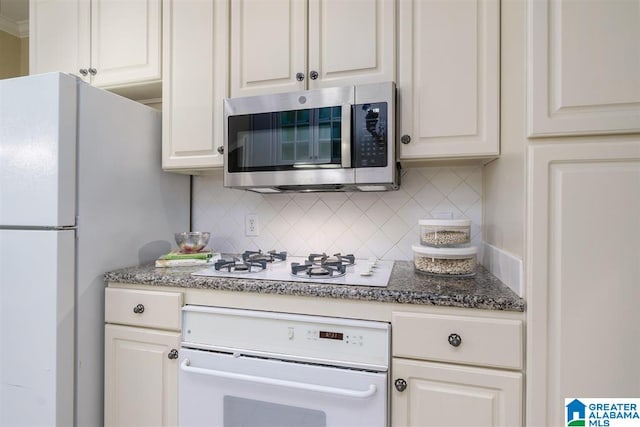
x=345, y=147
x=185, y=366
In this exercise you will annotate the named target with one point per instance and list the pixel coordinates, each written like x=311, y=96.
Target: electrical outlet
x=251, y=225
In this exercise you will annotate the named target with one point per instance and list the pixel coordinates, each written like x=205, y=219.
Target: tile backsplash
x=384, y=224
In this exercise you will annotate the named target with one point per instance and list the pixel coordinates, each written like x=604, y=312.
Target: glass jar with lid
x=458, y=262
x=445, y=233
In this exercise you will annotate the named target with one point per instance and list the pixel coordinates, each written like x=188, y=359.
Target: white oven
x=253, y=368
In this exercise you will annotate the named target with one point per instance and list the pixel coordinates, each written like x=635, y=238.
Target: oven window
x=239, y=411
x=286, y=140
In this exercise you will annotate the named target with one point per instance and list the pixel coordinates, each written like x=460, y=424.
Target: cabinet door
x=441, y=395
x=141, y=382
x=448, y=78
x=268, y=46
x=126, y=41
x=351, y=42
x=194, y=83
x=59, y=36
x=583, y=67
x=583, y=231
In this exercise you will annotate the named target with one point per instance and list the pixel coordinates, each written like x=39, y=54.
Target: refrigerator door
x=36, y=327
x=38, y=151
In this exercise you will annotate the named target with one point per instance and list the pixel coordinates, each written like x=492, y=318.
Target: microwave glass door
x=285, y=140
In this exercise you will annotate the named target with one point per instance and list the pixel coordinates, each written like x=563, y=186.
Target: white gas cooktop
x=365, y=272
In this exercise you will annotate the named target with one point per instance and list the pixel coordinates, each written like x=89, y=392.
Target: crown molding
x=18, y=29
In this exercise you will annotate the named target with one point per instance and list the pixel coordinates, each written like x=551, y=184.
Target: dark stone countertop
x=483, y=291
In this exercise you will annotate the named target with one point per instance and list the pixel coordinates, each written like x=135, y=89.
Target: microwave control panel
x=370, y=135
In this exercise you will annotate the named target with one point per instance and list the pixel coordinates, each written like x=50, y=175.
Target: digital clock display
x=332, y=335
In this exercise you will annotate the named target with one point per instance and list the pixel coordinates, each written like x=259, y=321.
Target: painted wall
x=24, y=56
x=505, y=178
x=11, y=56
x=383, y=224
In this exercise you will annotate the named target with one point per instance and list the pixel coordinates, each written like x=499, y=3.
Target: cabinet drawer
x=482, y=341
x=143, y=308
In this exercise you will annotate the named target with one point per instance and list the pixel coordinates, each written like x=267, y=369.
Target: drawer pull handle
x=173, y=354
x=455, y=340
x=138, y=309
x=401, y=385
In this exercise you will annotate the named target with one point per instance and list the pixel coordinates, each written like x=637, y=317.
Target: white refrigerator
x=81, y=193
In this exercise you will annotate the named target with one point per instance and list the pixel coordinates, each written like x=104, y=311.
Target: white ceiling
x=14, y=15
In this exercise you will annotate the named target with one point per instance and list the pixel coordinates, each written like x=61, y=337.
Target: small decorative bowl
x=193, y=241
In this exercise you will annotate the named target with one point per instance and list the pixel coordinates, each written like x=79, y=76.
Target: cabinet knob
x=93, y=71
x=299, y=77
x=455, y=340
x=221, y=149
x=401, y=385
x=313, y=75
x=138, y=309
x=173, y=354
x=405, y=139
x=83, y=71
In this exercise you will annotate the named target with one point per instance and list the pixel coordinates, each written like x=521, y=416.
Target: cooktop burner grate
x=270, y=256
x=239, y=266
x=323, y=258
x=311, y=269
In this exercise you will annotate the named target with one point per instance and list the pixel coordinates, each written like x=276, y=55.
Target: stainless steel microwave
x=333, y=139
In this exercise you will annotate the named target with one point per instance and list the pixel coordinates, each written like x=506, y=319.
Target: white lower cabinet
x=451, y=367
x=142, y=340
x=430, y=384
x=447, y=395
x=141, y=377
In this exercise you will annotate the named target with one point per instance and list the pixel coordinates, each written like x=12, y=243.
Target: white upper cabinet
x=449, y=78
x=194, y=83
x=289, y=45
x=109, y=43
x=584, y=67
x=351, y=42
x=59, y=36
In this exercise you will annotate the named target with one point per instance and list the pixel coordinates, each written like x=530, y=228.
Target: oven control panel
x=319, y=335
x=352, y=343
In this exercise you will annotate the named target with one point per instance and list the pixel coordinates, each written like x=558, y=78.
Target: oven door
x=219, y=389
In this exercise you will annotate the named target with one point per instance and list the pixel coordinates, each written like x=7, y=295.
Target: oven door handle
x=185, y=366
